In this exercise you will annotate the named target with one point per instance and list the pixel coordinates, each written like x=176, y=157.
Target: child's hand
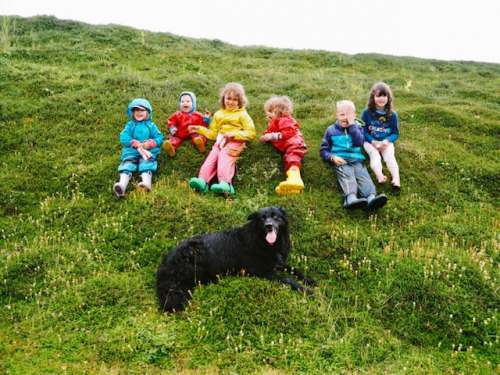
x=265, y=138
x=149, y=144
x=194, y=128
x=351, y=117
x=135, y=143
x=207, y=113
x=270, y=137
x=172, y=130
x=337, y=160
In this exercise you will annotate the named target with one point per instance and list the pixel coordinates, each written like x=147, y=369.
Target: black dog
x=258, y=248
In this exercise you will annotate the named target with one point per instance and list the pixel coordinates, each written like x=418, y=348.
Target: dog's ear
x=282, y=212
x=253, y=216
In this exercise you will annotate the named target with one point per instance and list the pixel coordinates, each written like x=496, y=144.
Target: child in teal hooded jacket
x=141, y=142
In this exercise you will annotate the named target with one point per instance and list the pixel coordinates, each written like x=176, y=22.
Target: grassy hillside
x=411, y=290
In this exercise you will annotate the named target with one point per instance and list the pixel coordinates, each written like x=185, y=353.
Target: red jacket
x=290, y=132
x=181, y=121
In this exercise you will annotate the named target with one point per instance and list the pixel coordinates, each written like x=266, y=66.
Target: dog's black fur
x=246, y=249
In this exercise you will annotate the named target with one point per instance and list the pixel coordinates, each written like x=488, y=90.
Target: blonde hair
x=238, y=90
x=279, y=105
x=346, y=103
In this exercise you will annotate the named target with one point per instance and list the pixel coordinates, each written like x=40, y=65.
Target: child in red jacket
x=283, y=131
x=177, y=125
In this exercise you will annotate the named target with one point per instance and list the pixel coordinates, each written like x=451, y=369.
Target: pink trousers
x=221, y=161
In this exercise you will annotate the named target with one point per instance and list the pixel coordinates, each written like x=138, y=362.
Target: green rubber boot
x=198, y=184
x=223, y=188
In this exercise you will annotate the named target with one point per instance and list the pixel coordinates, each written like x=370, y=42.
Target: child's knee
x=128, y=167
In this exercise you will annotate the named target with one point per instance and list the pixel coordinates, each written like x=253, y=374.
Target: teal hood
x=139, y=102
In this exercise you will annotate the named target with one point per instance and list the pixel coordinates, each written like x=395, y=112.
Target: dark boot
x=376, y=202
x=351, y=202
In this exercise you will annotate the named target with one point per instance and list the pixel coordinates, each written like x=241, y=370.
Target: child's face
x=186, y=103
x=231, y=101
x=270, y=114
x=380, y=100
x=140, y=114
x=345, y=116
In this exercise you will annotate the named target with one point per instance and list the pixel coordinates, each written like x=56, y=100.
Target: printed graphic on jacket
x=379, y=127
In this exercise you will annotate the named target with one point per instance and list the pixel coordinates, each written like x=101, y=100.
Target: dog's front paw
x=310, y=282
x=307, y=291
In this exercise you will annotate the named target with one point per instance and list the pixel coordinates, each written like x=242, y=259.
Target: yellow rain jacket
x=236, y=121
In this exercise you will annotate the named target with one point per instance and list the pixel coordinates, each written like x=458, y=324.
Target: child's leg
x=226, y=164
x=209, y=167
x=146, y=169
x=364, y=181
x=172, y=144
x=347, y=181
x=292, y=158
x=199, y=141
x=129, y=165
x=367, y=188
x=149, y=165
x=176, y=141
x=294, y=155
x=346, y=178
x=120, y=187
x=392, y=164
x=375, y=161
x=146, y=178
x=126, y=168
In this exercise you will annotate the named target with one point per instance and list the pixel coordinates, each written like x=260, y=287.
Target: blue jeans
x=134, y=164
x=353, y=177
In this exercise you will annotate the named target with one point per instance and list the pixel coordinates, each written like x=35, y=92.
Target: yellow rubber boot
x=200, y=145
x=169, y=149
x=293, y=184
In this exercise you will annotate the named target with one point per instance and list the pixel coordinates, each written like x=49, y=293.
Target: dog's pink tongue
x=271, y=237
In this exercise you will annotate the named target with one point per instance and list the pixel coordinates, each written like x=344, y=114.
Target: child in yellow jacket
x=231, y=128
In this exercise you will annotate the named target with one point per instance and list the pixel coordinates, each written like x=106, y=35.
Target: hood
x=139, y=102
x=193, y=99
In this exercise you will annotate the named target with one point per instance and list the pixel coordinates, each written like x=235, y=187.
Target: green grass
x=411, y=290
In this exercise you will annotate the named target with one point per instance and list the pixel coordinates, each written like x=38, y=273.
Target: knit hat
x=193, y=99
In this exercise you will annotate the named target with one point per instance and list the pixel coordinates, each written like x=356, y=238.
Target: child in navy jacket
x=381, y=131
x=341, y=148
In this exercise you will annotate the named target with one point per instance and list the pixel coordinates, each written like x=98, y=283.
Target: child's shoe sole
x=143, y=187
x=117, y=189
x=360, y=203
x=169, y=149
x=376, y=203
x=287, y=188
x=200, y=146
x=396, y=189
